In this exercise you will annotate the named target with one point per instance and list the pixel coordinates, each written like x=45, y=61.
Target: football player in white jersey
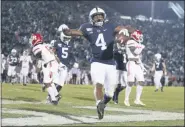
x=49, y=68
x=135, y=68
x=13, y=61
x=25, y=61
x=159, y=69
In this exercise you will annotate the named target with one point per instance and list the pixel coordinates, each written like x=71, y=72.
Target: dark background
x=133, y=8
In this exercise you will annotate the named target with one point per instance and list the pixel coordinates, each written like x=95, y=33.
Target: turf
x=172, y=100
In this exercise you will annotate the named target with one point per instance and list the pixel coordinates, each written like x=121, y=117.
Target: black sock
x=58, y=87
x=121, y=88
x=162, y=88
x=115, y=97
x=106, y=99
x=116, y=93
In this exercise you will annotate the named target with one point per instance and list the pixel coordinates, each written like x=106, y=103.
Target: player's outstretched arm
x=72, y=32
x=69, y=32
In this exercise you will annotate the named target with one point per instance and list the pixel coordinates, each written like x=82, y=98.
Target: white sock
x=51, y=93
x=21, y=79
x=156, y=82
x=127, y=92
x=54, y=89
x=139, y=90
x=157, y=85
x=24, y=79
x=160, y=85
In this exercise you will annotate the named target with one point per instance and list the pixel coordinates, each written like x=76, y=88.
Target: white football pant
x=157, y=79
x=104, y=74
x=50, y=72
x=134, y=71
x=122, y=77
x=62, y=76
x=11, y=71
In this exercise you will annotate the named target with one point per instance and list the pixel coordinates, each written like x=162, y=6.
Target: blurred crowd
x=21, y=18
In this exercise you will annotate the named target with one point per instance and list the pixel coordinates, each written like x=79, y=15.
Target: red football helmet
x=137, y=36
x=36, y=39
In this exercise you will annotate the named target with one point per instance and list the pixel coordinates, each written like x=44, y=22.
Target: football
x=121, y=38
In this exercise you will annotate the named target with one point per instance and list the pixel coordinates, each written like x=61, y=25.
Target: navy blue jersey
x=63, y=52
x=101, y=41
x=13, y=60
x=159, y=66
x=121, y=61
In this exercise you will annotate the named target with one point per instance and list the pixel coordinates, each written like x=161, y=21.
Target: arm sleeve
x=83, y=29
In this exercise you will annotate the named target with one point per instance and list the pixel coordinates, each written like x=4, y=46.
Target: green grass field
x=171, y=100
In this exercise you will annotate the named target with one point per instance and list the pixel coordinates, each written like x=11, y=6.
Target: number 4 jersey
x=63, y=52
x=101, y=40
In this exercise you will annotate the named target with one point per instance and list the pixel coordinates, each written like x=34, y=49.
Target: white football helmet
x=25, y=53
x=13, y=52
x=158, y=57
x=76, y=65
x=52, y=43
x=62, y=27
x=64, y=38
x=94, y=12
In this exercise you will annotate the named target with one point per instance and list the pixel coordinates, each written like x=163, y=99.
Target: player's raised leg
x=98, y=71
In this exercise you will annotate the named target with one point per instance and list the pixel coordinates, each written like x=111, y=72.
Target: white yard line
x=42, y=118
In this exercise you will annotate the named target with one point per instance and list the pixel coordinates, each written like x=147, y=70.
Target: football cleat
x=127, y=103
x=58, y=97
x=156, y=90
x=116, y=102
x=100, y=110
x=54, y=102
x=162, y=89
x=48, y=99
x=139, y=103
